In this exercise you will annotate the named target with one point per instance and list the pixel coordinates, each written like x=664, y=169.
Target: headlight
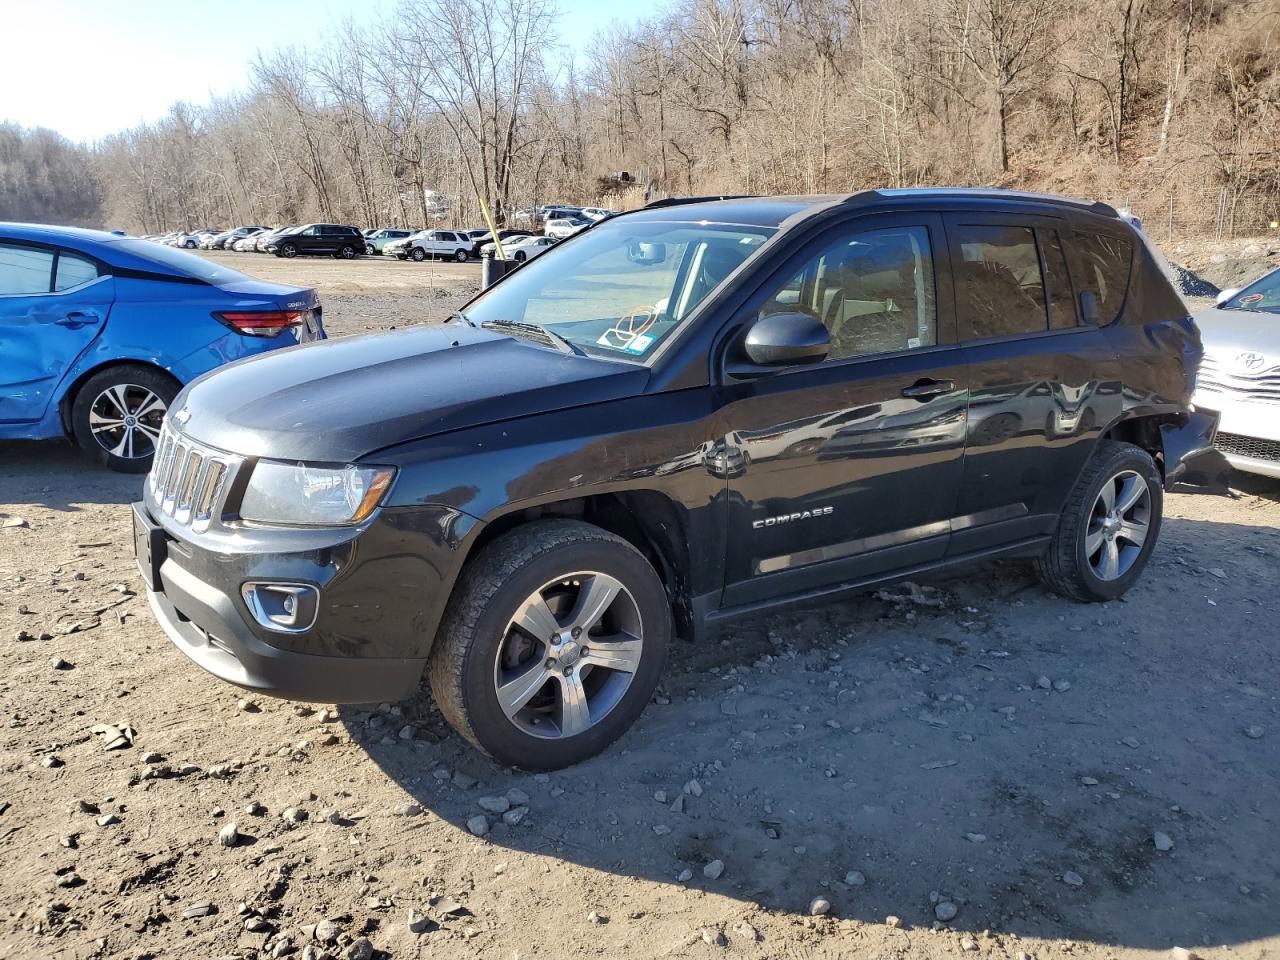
x=304, y=495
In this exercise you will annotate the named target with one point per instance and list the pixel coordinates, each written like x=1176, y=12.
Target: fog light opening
x=285, y=607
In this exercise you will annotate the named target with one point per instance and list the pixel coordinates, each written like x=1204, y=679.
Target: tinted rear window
x=1104, y=262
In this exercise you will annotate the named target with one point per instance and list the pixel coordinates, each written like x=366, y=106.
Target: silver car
x=1240, y=374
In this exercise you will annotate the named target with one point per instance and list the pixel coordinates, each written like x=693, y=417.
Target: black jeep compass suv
x=688, y=413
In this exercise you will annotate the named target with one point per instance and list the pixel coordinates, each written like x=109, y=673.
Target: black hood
x=343, y=399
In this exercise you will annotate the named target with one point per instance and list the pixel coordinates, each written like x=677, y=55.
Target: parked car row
x=557, y=222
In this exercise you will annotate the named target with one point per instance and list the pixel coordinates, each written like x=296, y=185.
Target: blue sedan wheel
x=117, y=415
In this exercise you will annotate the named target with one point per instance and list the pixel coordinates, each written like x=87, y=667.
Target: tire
x=118, y=393
x=1074, y=570
x=369, y=250
x=287, y=250
x=559, y=561
x=189, y=245
x=418, y=254
x=520, y=256
x=460, y=256
x=346, y=253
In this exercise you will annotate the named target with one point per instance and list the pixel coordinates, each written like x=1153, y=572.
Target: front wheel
x=1109, y=526
x=520, y=256
x=288, y=250
x=552, y=645
x=116, y=415
x=418, y=254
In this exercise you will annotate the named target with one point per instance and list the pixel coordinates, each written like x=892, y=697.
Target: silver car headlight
x=302, y=494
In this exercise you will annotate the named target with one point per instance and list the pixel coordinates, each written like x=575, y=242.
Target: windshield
x=1262, y=296
x=623, y=285
x=176, y=261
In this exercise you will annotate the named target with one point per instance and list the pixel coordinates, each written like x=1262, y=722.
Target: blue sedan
x=99, y=332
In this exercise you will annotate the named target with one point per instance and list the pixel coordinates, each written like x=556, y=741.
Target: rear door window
x=73, y=271
x=1104, y=264
x=24, y=270
x=999, y=285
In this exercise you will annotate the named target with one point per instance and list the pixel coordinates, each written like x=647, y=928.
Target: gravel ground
x=968, y=766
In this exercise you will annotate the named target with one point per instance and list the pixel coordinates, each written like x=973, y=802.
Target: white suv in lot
x=432, y=243
x=1240, y=374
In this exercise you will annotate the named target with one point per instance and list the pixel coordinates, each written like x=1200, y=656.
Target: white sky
x=87, y=68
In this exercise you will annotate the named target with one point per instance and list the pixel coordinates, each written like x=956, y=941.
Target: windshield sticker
x=630, y=332
x=1251, y=298
x=640, y=344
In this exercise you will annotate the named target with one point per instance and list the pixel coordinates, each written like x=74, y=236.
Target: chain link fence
x=1209, y=214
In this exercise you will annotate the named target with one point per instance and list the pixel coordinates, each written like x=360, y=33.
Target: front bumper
x=1248, y=431
x=204, y=624
x=381, y=592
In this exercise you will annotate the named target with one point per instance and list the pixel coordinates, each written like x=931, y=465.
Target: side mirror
x=786, y=338
x=1089, y=307
x=1226, y=295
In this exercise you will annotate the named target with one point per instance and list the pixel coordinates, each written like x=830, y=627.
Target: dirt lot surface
x=370, y=293
x=1060, y=780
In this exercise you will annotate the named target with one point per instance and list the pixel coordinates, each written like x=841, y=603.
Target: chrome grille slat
x=1259, y=385
x=188, y=481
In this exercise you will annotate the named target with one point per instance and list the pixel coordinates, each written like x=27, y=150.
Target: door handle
x=77, y=318
x=925, y=389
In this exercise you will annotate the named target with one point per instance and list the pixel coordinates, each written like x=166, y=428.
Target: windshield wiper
x=535, y=332
x=460, y=316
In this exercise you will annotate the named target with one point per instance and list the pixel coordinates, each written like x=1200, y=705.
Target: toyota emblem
x=1250, y=360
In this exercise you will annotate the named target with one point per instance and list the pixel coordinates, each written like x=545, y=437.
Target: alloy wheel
x=125, y=419
x=1118, y=525
x=568, y=655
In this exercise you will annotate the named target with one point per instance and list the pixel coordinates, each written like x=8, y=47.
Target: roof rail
x=992, y=193
x=681, y=201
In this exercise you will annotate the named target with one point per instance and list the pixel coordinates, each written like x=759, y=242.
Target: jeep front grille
x=188, y=480
x=1222, y=377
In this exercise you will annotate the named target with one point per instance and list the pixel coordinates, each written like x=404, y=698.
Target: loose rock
x=946, y=911
x=1163, y=842
x=478, y=825
x=1073, y=879
x=494, y=804
x=713, y=870
x=819, y=906
x=229, y=836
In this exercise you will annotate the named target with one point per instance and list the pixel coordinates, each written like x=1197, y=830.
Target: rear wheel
x=346, y=253
x=1109, y=526
x=460, y=255
x=552, y=645
x=117, y=413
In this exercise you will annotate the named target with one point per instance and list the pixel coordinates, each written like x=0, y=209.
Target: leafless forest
x=1169, y=106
